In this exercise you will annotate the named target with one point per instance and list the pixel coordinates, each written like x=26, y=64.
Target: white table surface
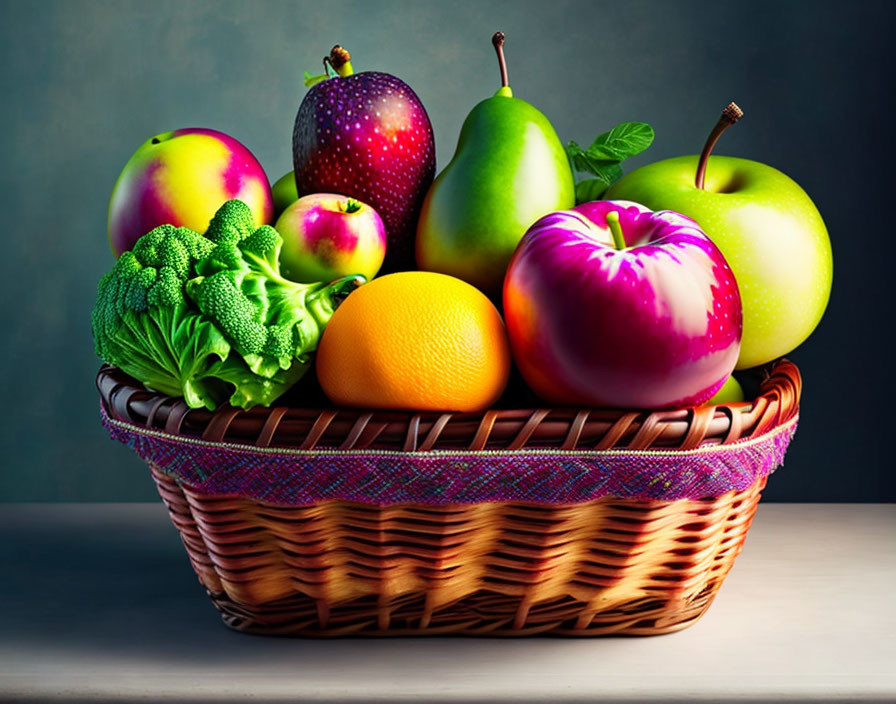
x=100, y=604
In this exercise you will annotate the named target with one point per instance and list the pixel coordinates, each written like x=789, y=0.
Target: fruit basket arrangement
x=538, y=431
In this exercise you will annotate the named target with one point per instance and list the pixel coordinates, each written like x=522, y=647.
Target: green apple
x=730, y=392
x=284, y=192
x=768, y=230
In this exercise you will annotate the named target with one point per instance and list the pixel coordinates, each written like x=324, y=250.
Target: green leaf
x=590, y=189
x=607, y=170
x=603, y=157
x=584, y=161
x=610, y=173
x=622, y=142
x=314, y=80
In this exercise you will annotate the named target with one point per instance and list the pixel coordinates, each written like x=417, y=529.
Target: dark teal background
x=85, y=83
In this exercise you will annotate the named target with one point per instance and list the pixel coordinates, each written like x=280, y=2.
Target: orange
x=415, y=340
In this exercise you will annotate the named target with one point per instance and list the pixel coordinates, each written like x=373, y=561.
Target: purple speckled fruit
x=648, y=318
x=368, y=136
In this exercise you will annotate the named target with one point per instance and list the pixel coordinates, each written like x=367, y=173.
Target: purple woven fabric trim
x=295, y=478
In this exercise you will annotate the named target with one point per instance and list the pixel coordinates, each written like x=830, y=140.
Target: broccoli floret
x=167, y=288
x=264, y=243
x=233, y=222
x=146, y=249
x=209, y=317
x=197, y=245
x=224, y=257
x=128, y=265
x=140, y=288
x=219, y=299
x=113, y=298
x=281, y=341
x=176, y=247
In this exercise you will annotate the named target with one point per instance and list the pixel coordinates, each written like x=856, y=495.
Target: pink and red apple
x=611, y=304
x=182, y=178
x=327, y=236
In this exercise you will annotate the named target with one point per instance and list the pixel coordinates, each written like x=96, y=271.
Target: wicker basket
x=340, y=522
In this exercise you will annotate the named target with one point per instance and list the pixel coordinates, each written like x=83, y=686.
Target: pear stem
x=730, y=115
x=615, y=229
x=498, y=43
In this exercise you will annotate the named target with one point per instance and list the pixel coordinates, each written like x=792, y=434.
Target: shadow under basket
x=342, y=522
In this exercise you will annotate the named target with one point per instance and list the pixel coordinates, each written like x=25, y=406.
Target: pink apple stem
x=615, y=229
x=730, y=115
x=498, y=43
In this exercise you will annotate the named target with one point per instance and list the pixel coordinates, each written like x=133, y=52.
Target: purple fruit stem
x=615, y=229
x=730, y=115
x=498, y=43
x=340, y=60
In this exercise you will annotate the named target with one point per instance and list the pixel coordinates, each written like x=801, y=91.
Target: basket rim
x=547, y=429
x=291, y=477
x=704, y=449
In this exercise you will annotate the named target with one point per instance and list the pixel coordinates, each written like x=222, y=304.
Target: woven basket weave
x=514, y=522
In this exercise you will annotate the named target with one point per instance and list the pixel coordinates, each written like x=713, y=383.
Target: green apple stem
x=615, y=229
x=730, y=115
x=498, y=43
x=351, y=206
x=340, y=60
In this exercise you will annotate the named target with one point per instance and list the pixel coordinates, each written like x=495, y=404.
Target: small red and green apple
x=327, y=236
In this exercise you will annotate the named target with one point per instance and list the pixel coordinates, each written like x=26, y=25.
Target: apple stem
x=498, y=43
x=615, y=229
x=351, y=206
x=730, y=115
x=340, y=60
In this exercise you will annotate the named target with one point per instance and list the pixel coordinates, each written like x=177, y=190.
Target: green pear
x=767, y=228
x=509, y=170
